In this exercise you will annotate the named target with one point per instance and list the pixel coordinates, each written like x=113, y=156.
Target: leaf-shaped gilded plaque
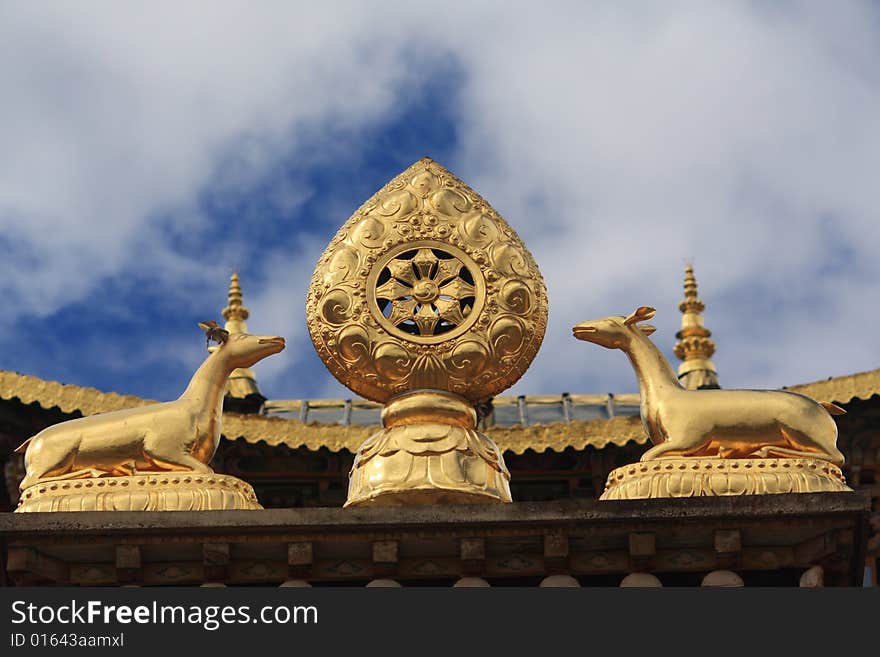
x=428, y=282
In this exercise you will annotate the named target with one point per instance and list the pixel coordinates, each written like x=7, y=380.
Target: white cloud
x=716, y=132
x=744, y=136
x=114, y=116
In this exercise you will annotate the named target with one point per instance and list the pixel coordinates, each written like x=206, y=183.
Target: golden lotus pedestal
x=429, y=452
x=699, y=477
x=178, y=491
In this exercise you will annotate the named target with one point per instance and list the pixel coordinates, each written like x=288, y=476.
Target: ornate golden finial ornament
x=426, y=300
x=242, y=382
x=149, y=458
x=694, y=347
x=235, y=313
x=716, y=442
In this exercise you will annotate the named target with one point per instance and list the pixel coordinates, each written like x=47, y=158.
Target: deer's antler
x=214, y=332
x=640, y=314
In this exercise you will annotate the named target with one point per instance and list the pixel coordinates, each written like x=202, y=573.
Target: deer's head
x=617, y=331
x=242, y=349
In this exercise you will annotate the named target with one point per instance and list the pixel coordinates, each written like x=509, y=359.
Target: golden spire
x=242, y=381
x=235, y=313
x=694, y=347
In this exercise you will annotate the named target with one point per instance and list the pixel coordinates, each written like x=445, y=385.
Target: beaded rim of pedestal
x=697, y=477
x=177, y=491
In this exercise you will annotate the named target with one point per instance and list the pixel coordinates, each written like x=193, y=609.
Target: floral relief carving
x=426, y=286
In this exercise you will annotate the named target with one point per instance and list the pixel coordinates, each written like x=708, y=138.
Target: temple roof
x=67, y=397
x=843, y=389
x=537, y=422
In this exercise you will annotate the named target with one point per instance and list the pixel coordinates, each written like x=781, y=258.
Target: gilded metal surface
x=173, y=436
x=428, y=294
x=428, y=301
x=426, y=286
x=696, y=477
x=694, y=347
x=713, y=423
x=144, y=492
x=429, y=452
x=242, y=382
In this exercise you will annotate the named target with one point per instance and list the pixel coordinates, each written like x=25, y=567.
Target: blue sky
x=149, y=151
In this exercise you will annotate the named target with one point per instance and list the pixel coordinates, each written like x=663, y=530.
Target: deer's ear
x=640, y=314
x=647, y=329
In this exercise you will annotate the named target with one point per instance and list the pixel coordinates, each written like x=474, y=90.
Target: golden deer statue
x=179, y=435
x=714, y=423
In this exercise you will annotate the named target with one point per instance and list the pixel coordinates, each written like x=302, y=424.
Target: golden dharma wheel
x=427, y=287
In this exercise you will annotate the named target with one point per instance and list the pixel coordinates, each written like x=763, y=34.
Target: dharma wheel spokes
x=426, y=292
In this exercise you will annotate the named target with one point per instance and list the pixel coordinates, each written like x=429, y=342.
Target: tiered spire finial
x=242, y=382
x=694, y=347
x=235, y=313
